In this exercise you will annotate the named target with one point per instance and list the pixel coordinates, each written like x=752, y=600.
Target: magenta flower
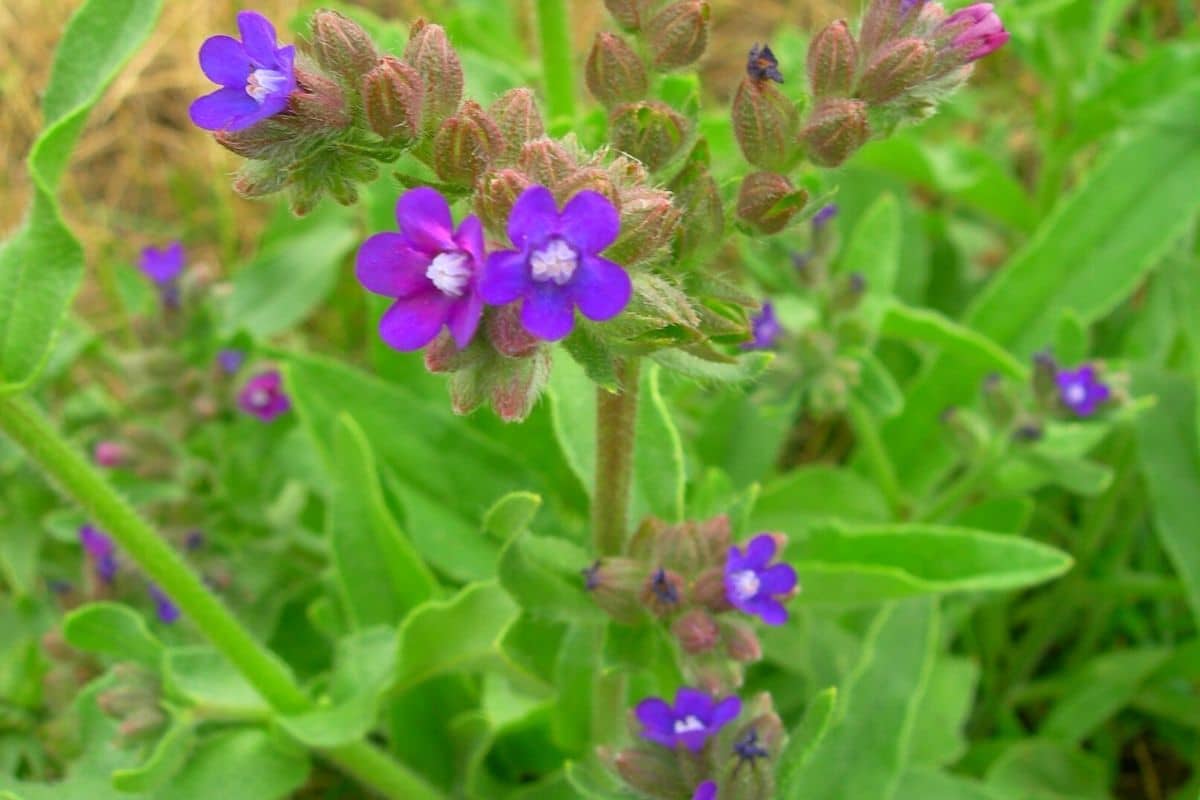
x=263, y=396
x=430, y=268
x=164, y=607
x=256, y=76
x=101, y=551
x=976, y=31
x=706, y=791
x=693, y=718
x=556, y=265
x=765, y=329
x=1080, y=390
x=752, y=582
x=162, y=265
x=108, y=454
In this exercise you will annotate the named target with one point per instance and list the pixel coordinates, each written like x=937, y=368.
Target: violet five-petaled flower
x=102, y=552
x=694, y=717
x=556, y=264
x=162, y=265
x=1080, y=390
x=256, y=76
x=164, y=608
x=263, y=396
x=752, y=583
x=976, y=31
x=765, y=329
x=430, y=268
x=706, y=791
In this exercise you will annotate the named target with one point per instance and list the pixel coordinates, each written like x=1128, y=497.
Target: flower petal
x=694, y=740
x=768, y=610
x=223, y=60
x=590, y=222
x=222, y=110
x=464, y=318
x=534, y=217
x=258, y=37
x=693, y=702
x=387, y=265
x=469, y=237
x=505, y=278
x=601, y=288
x=760, y=551
x=424, y=217
x=656, y=716
x=548, y=312
x=706, y=791
x=413, y=322
x=726, y=711
x=777, y=579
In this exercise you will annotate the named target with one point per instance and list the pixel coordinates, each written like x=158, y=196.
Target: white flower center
x=688, y=724
x=1075, y=394
x=450, y=273
x=264, y=82
x=554, y=262
x=745, y=584
x=260, y=398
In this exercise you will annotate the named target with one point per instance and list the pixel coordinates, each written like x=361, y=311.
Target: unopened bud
x=123, y=700
x=258, y=178
x=466, y=144
x=443, y=355
x=741, y=642
x=708, y=590
x=467, y=392
x=883, y=21
x=507, y=334
x=141, y=724
x=392, y=94
x=1045, y=380
x=517, y=114
x=896, y=69
x=998, y=400
x=341, y=46
x=590, y=179
x=615, y=585
x=430, y=54
x=748, y=775
x=769, y=201
x=615, y=73
x=849, y=292
x=546, y=161
x=678, y=34
x=514, y=384
x=649, y=221
x=318, y=104
x=696, y=631
x=714, y=535
x=765, y=123
x=629, y=14
x=109, y=454
x=496, y=194
x=964, y=430
x=836, y=129
x=272, y=138
x=832, y=61
x=662, y=592
x=654, y=772
x=650, y=132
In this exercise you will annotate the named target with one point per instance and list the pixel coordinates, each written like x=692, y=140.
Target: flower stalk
x=616, y=417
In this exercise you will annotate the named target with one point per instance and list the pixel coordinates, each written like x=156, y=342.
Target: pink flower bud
x=318, y=104
x=662, y=592
x=341, y=46
x=496, y=193
x=654, y=772
x=836, y=129
x=649, y=221
x=507, y=334
x=974, y=32
x=517, y=114
x=895, y=69
x=430, y=54
x=615, y=73
x=709, y=590
x=629, y=14
x=768, y=201
x=392, y=94
x=696, y=631
x=741, y=643
x=109, y=454
x=547, y=162
x=678, y=34
x=466, y=144
x=615, y=585
x=651, y=132
x=514, y=384
x=832, y=61
x=765, y=123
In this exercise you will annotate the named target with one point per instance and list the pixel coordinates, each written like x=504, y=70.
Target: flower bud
x=273, y=138
x=643, y=544
x=662, y=592
x=141, y=725
x=514, y=384
x=517, y=114
x=678, y=34
x=882, y=22
x=496, y=194
x=651, y=132
x=442, y=355
x=649, y=221
x=591, y=179
x=109, y=454
x=467, y=392
x=1045, y=383
x=836, y=129
x=832, y=61
x=258, y=178
x=696, y=631
x=849, y=292
x=392, y=94
x=708, y=590
x=507, y=334
x=430, y=54
x=615, y=585
x=628, y=13
x=894, y=70
x=741, y=643
x=547, y=162
x=714, y=535
x=341, y=46
x=964, y=430
x=466, y=144
x=968, y=35
x=747, y=775
x=765, y=122
x=318, y=104
x=615, y=73
x=769, y=201
x=654, y=772
x=998, y=400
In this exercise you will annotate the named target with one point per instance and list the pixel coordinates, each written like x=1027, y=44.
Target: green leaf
x=511, y=514
x=1038, y=769
x=1099, y=690
x=876, y=387
x=659, y=468
x=378, y=571
x=806, y=737
x=939, y=733
x=873, y=249
x=204, y=677
x=169, y=755
x=867, y=748
x=542, y=573
x=239, y=764
x=114, y=630
x=41, y=264
x=871, y=564
x=811, y=495
x=924, y=783
x=573, y=415
x=1070, y=338
x=957, y=342
x=744, y=368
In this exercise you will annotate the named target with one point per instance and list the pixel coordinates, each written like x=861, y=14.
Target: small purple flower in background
x=706, y=791
x=752, y=582
x=255, y=74
x=1080, y=390
x=976, y=30
x=263, y=396
x=101, y=551
x=762, y=65
x=555, y=266
x=748, y=748
x=108, y=454
x=765, y=329
x=194, y=540
x=166, y=610
x=162, y=265
x=230, y=360
x=693, y=718
x=430, y=268
x=822, y=217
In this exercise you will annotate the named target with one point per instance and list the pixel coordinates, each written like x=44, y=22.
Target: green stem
x=616, y=416
x=961, y=490
x=74, y=474
x=876, y=456
x=554, y=37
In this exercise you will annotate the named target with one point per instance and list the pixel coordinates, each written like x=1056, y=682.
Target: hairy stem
x=554, y=37
x=616, y=416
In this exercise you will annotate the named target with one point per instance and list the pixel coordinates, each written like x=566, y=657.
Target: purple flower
x=1080, y=390
x=101, y=550
x=194, y=540
x=162, y=266
x=706, y=791
x=691, y=721
x=230, y=360
x=751, y=582
x=762, y=65
x=822, y=217
x=976, y=31
x=256, y=76
x=765, y=329
x=166, y=610
x=108, y=454
x=748, y=748
x=555, y=266
x=263, y=396
x=430, y=268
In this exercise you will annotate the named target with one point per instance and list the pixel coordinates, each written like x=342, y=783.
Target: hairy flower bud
x=615, y=73
x=703, y=220
x=769, y=201
x=741, y=643
x=765, y=123
x=496, y=193
x=894, y=70
x=514, y=384
x=1045, y=384
x=968, y=35
x=615, y=585
x=629, y=14
x=649, y=221
x=392, y=94
x=832, y=61
x=507, y=334
x=517, y=114
x=662, y=592
x=654, y=772
x=650, y=132
x=430, y=54
x=547, y=162
x=341, y=46
x=965, y=431
x=709, y=590
x=318, y=104
x=442, y=355
x=466, y=144
x=678, y=34
x=882, y=22
x=696, y=631
x=836, y=129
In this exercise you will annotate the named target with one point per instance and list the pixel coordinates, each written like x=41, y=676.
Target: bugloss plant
x=656, y=637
